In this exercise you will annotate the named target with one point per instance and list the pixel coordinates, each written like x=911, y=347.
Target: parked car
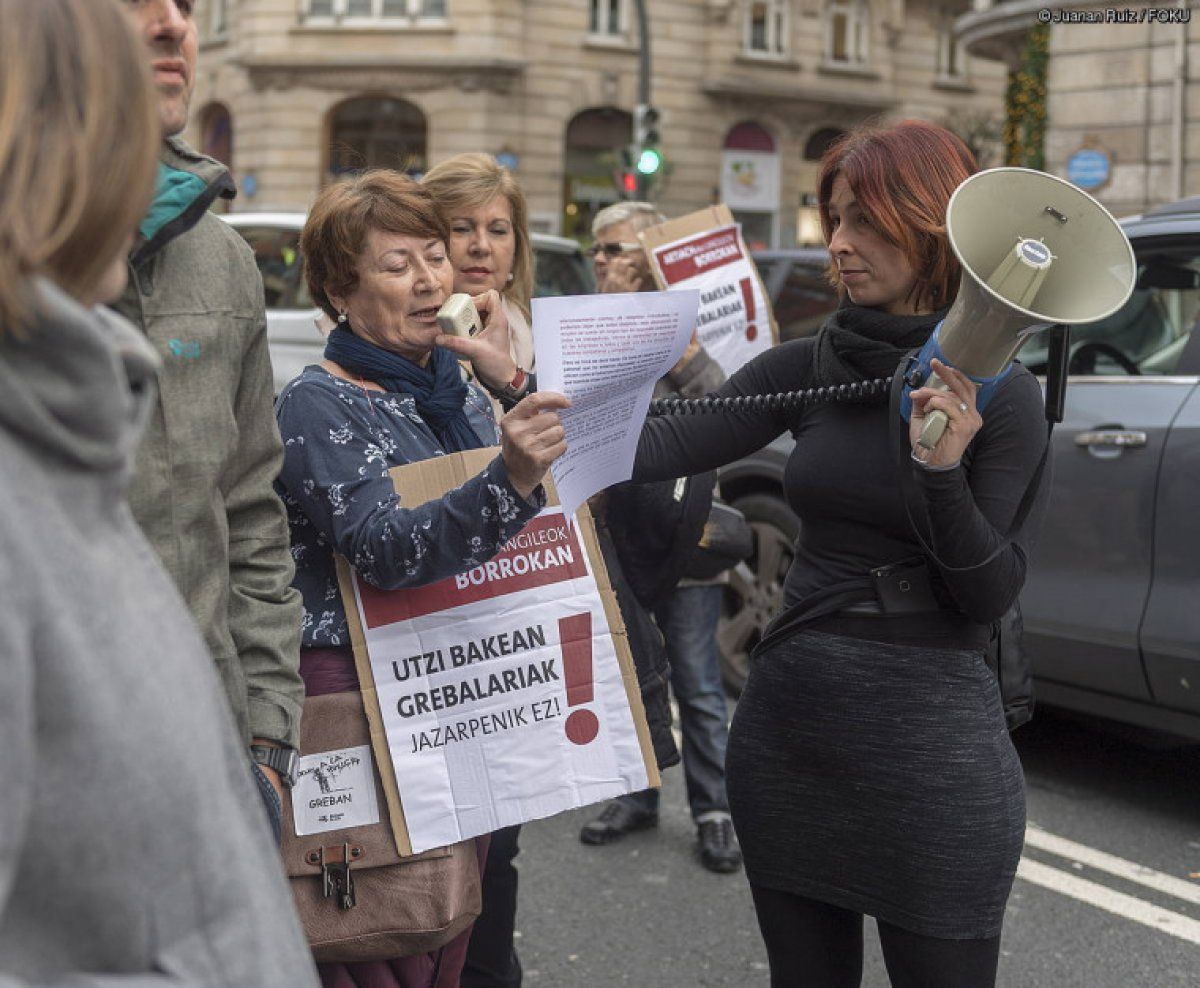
x=798, y=287
x=1112, y=623
x=295, y=341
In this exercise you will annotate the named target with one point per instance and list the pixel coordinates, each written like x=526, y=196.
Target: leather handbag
x=358, y=898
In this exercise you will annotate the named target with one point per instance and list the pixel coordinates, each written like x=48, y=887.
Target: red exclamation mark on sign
x=575, y=635
x=748, y=298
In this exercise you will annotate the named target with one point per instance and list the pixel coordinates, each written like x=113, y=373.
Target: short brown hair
x=79, y=132
x=468, y=181
x=902, y=177
x=335, y=234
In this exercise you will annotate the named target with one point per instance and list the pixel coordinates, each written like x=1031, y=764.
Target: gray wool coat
x=134, y=852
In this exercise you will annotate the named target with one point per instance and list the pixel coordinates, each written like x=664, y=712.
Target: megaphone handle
x=935, y=422
x=932, y=430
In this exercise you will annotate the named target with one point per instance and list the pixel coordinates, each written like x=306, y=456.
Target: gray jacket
x=133, y=848
x=203, y=490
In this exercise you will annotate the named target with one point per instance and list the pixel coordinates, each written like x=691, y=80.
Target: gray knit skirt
x=879, y=778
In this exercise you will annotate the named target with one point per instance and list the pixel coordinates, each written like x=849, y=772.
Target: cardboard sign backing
x=713, y=218
x=429, y=480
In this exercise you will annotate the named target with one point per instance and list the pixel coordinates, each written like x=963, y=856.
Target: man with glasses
x=688, y=615
x=618, y=260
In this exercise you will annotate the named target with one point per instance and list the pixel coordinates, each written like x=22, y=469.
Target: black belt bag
x=905, y=587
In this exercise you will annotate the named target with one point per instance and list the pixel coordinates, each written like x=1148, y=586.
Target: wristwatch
x=515, y=389
x=282, y=760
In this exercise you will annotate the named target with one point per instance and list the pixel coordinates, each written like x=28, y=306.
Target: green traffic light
x=649, y=161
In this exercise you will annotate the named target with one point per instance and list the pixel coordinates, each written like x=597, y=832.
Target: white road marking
x=1102, y=861
x=1102, y=897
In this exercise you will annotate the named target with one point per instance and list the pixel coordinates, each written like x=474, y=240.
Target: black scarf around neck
x=857, y=343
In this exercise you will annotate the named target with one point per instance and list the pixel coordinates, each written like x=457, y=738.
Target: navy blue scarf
x=439, y=389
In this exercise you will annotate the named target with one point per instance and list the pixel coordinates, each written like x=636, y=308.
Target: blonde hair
x=468, y=181
x=78, y=137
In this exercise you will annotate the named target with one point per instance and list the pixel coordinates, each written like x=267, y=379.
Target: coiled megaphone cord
x=785, y=401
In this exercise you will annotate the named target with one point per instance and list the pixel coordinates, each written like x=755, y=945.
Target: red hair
x=902, y=177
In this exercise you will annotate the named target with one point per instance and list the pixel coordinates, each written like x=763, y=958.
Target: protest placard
x=705, y=251
x=506, y=693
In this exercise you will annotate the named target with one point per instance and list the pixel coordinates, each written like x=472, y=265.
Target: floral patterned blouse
x=339, y=442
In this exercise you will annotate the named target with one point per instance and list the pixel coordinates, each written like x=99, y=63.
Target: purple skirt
x=327, y=670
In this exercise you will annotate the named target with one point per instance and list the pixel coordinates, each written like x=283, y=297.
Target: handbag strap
x=911, y=494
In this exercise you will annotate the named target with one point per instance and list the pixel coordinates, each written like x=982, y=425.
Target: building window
x=216, y=140
x=846, y=33
x=212, y=20
x=750, y=182
x=821, y=141
x=766, y=27
x=388, y=11
x=593, y=142
x=607, y=18
x=376, y=132
x=951, y=60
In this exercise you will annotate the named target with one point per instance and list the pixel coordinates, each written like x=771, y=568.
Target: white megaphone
x=1035, y=251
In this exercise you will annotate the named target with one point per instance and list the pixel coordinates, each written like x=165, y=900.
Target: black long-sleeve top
x=841, y=481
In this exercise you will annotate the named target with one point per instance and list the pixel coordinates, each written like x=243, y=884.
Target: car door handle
x=1112, y=437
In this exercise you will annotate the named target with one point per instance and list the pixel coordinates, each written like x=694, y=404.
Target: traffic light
x=625, y=177
x=646, y=138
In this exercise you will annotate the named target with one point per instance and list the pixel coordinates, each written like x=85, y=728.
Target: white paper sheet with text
x=605, y=352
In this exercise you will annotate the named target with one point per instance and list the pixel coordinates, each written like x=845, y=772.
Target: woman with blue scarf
x=385, y=396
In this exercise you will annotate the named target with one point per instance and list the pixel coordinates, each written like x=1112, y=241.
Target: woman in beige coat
x=484, y=208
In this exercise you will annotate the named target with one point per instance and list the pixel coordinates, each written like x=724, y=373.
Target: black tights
x=811, y=944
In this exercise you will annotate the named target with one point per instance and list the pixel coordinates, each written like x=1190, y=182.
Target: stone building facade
x=1123, y=96
x=294, y=92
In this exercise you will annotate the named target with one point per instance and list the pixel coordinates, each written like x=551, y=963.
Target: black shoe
x=718, y=847
x=615, y=821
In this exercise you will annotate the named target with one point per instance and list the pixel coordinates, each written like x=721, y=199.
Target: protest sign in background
x=503, y=694
x=705, y=251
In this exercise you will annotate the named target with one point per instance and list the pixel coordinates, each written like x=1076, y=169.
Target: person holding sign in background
x=687, y=615
x=384, y=396
x=870, y=771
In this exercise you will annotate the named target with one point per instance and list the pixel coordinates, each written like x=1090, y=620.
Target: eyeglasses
x=611, y=250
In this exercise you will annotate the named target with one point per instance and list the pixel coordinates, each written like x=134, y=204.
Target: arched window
x=216, y=133
x=376, y=132
x=750, y=182
x=593, y=142
x=819, y=142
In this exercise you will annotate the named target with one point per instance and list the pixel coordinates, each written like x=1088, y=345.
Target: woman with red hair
x=869, y=767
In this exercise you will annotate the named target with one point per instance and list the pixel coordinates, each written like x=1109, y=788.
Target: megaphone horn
x=1035, y=251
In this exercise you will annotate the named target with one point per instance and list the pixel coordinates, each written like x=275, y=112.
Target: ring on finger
x=962, y=406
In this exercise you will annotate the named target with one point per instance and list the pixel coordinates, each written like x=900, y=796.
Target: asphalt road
x=1108, y=895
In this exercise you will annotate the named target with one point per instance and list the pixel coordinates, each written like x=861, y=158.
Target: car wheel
x=755, y=591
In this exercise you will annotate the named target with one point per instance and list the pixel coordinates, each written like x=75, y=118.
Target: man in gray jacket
x=211, y=452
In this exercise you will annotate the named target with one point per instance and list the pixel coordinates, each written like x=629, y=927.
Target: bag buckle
x=334, y=862
x=914, y=374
